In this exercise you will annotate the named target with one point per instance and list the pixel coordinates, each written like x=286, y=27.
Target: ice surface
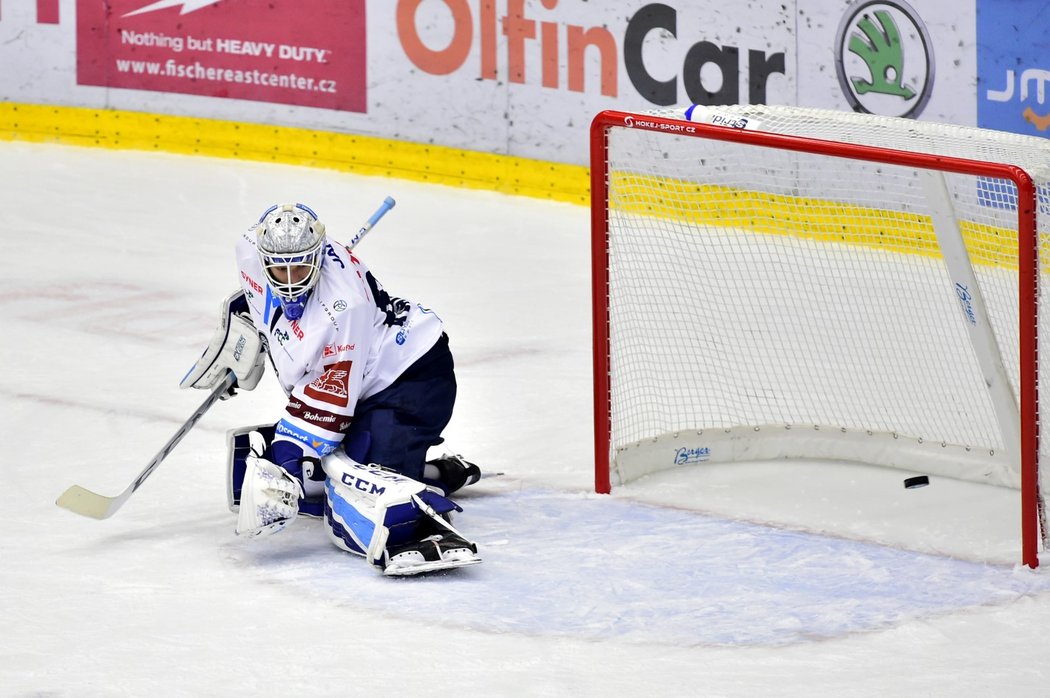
x=793, y=579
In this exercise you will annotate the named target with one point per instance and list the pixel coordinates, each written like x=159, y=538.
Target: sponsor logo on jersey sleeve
x=317, y=417
x=330, y=252
x=319, y=444
x=331, y=350
x=252, y=283
x=333, y=385
x=330, y=314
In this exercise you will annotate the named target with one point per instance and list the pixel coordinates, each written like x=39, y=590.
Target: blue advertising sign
x=1013, y=66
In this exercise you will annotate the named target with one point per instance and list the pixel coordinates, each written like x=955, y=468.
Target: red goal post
x=781, y=282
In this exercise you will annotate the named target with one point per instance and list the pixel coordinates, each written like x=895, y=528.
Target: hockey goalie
x=370, y=384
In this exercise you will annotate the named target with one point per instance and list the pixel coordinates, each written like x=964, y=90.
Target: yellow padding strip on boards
x=294, y=146
x=806, y=218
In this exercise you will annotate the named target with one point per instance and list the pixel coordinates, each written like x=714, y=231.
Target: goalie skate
x=440, y=551
x=451, y=473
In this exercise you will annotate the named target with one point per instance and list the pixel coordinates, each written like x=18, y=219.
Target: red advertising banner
x=309, y=53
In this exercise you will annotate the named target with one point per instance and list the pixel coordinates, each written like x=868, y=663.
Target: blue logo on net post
x=966, y=302
x=699, y=454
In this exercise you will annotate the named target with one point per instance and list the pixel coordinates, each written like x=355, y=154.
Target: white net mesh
x=756, y=292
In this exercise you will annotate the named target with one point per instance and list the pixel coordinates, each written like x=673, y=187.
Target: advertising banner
x=310, y=53
x=910, y=59
x=524, y=77
x=528, y=77
x=516, y=77
x=1013, y=64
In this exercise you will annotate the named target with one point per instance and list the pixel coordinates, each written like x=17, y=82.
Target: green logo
x=884, y=59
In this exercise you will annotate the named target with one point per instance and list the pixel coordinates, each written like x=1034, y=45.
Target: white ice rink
x=794, y=579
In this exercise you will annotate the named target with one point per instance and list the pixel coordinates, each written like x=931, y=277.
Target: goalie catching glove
x=236, y=346
x=269, y=495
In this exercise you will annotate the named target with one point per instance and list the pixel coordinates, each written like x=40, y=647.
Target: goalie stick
x=87, y=503
x=83, y=501
x=388, y=203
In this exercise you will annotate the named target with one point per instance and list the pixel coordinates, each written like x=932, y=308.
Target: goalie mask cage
x=781, y=282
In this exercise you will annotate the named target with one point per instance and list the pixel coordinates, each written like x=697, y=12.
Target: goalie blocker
x=235, y=347
x=398, y=524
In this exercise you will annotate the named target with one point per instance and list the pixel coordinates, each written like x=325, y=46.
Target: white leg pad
x=366, y=501
x=379, y=514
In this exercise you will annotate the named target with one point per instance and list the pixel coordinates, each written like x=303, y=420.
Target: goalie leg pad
x=366, y=505
x=395, y=522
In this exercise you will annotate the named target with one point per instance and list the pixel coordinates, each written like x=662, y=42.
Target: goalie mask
x=291, y=246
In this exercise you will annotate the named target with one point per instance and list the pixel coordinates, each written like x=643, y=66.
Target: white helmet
x=290, y=237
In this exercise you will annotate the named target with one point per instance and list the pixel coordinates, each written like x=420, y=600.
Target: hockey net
x=781, y=282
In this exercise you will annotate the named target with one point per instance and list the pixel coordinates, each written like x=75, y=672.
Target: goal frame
x=1028, y=276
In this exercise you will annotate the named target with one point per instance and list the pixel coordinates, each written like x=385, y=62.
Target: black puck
x=912, y=483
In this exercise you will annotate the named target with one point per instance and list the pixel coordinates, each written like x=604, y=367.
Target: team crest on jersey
x=333, y=385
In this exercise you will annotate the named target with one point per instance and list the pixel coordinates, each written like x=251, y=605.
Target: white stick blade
x=86, y=503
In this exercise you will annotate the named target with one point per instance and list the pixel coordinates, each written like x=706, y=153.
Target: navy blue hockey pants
x=397, y=425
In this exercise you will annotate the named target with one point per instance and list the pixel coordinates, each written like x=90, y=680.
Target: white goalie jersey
x=352, y=341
